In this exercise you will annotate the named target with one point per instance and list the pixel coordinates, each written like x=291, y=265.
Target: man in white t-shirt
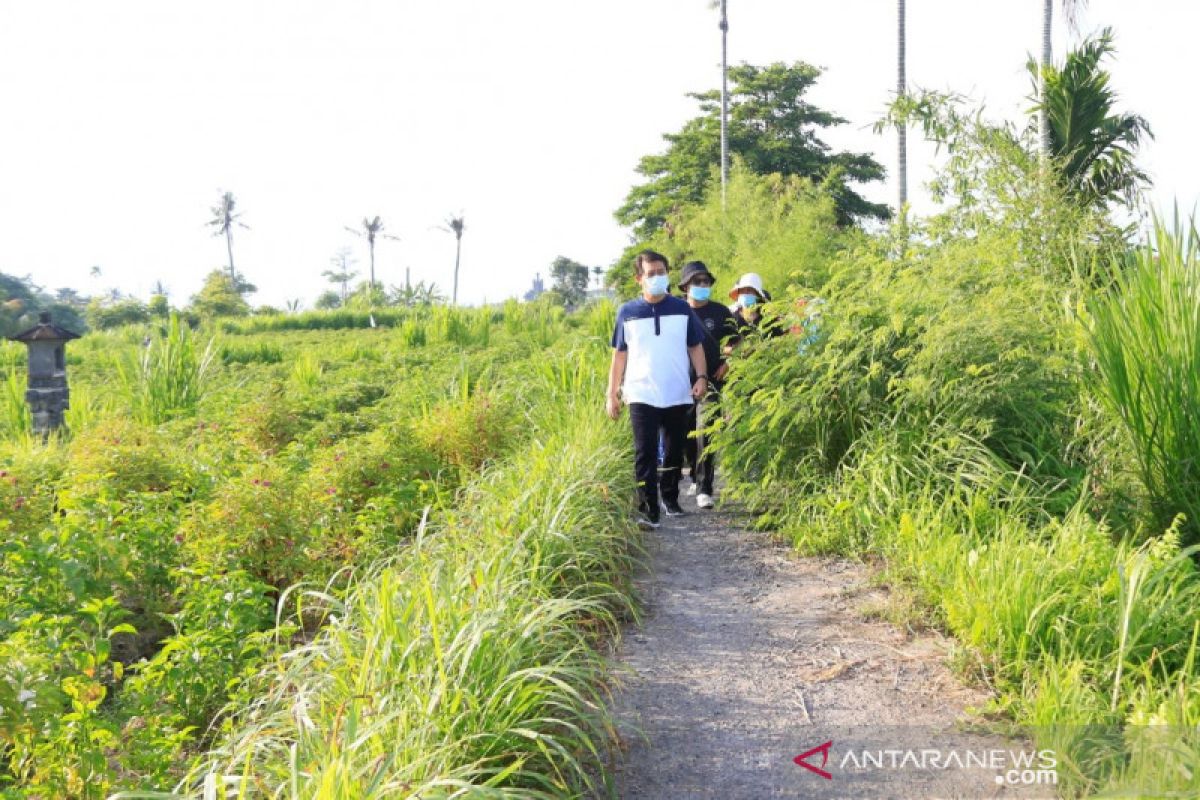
x=656, y=340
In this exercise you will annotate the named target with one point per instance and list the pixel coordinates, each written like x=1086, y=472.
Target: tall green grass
x=469, y=663
x=1146, y=336
x=168, y=378
x=1089, y=645
x=14, y=409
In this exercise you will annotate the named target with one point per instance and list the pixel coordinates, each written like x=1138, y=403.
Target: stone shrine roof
x=44, y=331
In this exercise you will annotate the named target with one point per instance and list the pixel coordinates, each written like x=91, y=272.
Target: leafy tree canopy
x=219, y=297
x=113, y=312
x=570, y=281
x=21, y=301
x=772, y=128
x=328, y=299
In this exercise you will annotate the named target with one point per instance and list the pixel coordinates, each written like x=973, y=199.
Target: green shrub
x=256, y=522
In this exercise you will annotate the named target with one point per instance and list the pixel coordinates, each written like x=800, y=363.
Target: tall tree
x=224, y=217
x=456, y=225
x=341, y=274
x=598, y=271
x=372, y=229
x=1092, y=147
x=1071, y=9
x=901, y=129
x=570, y=280
x=772, y=128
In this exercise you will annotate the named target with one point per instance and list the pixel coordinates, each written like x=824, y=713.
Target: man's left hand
x=699, y=388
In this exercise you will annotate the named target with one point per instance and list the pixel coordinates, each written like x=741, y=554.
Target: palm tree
x=371, y=229
x=1092, y=147
x=1071, y=9
x=427, y=294
x=598, y=271
x=223, y=219
x=456, y=225
x=901, y=130
x=724, y=26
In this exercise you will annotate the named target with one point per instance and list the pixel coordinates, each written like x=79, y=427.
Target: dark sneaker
x=646, y=522
x=673, y=509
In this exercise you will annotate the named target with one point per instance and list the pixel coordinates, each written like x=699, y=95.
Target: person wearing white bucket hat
x=749, y=286
x=749, y=295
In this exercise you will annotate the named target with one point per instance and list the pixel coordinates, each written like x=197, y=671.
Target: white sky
x=120, y=121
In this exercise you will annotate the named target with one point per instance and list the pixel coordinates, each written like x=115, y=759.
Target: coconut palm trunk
x=457, y=259
x=901, y=129
x=371, y=249
x=229, y=247
x=724, y=101
x=1047, y=56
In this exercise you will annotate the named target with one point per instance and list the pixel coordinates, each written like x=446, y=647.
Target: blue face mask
x=700, y=293
x=747, y=300
x=656, y=284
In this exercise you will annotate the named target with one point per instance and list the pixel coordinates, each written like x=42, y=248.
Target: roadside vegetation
x=997, y=406
x=232, y=517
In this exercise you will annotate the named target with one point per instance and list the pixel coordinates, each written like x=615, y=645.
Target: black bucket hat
x=691, y=270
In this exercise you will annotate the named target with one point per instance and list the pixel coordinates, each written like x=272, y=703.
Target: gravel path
x=749, y=656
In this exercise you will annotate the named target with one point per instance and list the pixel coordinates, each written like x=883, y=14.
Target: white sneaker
x=691, y=490
x=704, y=501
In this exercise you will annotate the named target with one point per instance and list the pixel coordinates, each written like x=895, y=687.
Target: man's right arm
x=616, y=375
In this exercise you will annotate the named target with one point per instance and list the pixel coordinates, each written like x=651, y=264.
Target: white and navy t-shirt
x=657, y=336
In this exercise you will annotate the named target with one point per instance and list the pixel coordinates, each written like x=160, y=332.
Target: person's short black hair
x=645, y=257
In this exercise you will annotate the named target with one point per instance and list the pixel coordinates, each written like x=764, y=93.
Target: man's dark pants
x=703, y=464
x=652, y=480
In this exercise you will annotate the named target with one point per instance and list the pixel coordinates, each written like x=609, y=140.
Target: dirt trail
x=749, y=656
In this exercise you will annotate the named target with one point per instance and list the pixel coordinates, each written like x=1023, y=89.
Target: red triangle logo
x=823, y=749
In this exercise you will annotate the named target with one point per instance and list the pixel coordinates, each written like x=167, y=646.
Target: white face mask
x=656, y=285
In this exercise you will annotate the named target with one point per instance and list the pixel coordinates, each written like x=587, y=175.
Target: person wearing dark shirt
x=697, y=282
